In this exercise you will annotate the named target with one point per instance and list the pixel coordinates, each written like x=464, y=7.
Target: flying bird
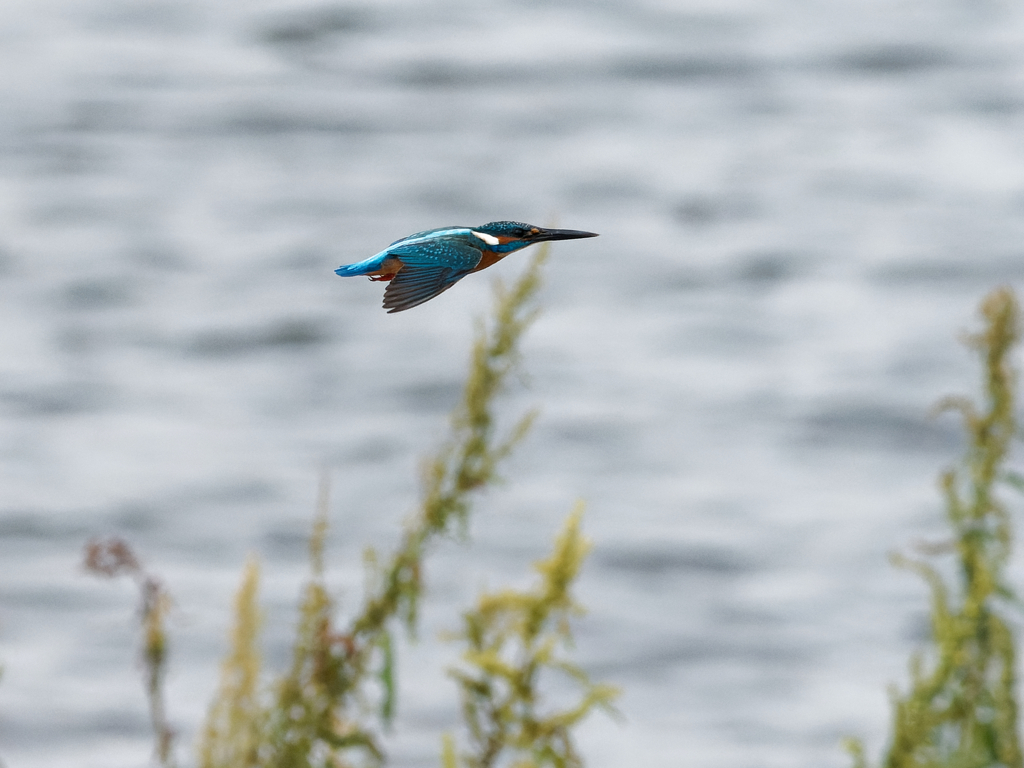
x=419, y=267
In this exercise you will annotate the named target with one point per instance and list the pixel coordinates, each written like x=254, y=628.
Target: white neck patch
x=489, y=239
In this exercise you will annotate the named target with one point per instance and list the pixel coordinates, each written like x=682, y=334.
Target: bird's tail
x=364, y=267
x=350, y=270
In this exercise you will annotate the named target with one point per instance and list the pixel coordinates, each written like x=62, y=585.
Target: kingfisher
x=419, y=267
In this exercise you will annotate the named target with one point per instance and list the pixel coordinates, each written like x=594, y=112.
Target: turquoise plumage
x=420, y=266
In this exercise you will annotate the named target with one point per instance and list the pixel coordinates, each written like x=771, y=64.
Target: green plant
x=511, y=638
x=961, y=709
x=232, y=733
x=314, y=716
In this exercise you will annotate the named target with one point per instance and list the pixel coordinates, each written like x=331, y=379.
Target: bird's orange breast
x=487, y=259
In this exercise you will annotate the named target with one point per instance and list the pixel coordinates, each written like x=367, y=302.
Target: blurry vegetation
x=234, y=723
x=511, y=638
x=961, y=707
x=317, y=715
x=328, y=709
x=111, y=558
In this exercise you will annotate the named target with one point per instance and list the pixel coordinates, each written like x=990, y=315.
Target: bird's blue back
x=436, y=234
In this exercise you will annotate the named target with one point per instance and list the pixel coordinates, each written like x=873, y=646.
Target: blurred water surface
x=800, y=204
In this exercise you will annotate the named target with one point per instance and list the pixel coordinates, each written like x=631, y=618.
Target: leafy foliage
x=511, y=638
x=961, y=710
x=316, y=714
x=232, y=735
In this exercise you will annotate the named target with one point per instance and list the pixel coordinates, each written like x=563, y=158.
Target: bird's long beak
x=560, y=234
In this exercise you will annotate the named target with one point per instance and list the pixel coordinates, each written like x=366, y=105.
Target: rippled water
x=800, y=203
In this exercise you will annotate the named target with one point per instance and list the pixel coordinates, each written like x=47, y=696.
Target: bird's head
x=507, y=236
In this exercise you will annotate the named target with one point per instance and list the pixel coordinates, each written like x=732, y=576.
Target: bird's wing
x=428, y=268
